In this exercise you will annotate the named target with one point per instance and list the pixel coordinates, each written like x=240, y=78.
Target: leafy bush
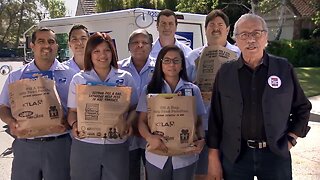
x=301, y=53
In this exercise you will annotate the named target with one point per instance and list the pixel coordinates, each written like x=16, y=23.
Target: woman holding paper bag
x=106, y=157
x=170, y=77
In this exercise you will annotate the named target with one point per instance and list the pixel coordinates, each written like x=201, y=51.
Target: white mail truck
x=120, y=24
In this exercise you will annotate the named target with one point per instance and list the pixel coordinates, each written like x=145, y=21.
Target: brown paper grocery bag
x=208, y=64
x=36, y=106
x=102, y=111
x=173, y=117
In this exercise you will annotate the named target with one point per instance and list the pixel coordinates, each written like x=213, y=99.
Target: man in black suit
x=258, y=110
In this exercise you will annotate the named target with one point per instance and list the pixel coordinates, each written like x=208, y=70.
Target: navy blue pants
x=257, y=162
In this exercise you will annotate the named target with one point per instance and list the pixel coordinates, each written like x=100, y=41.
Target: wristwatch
x=292, y=140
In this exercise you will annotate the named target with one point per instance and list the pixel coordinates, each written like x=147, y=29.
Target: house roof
x=302, y=8
x=298, y=8
x=86, y=7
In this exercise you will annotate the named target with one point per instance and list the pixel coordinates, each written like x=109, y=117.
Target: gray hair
x=250, y=16
x=140, y=31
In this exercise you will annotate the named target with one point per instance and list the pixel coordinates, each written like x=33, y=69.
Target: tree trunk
x=281, y=19
x=19, y=26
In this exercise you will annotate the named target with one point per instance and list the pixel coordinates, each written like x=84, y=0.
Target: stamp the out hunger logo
x=274, y=82
x=184, y=136
x=53, y=112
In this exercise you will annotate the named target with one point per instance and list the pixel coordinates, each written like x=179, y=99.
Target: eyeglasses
x=255, y=34
x=169, y=61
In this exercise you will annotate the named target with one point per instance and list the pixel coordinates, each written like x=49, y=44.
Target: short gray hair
x=143, y=32
x=250, y=16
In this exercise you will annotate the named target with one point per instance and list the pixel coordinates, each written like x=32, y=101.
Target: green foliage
x=19, y=15
x=170, y=4
x=301, y=53
x=316, y=18
x=56, y=8
x=197, y=6
x=109, y=5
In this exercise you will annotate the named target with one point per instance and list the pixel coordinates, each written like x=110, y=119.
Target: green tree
x=170, y=4
x=19, y=15
x=197, y=6
x=110, y=5
x=56, y=8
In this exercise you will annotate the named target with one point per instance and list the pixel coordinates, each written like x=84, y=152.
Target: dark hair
x=76, y=27
x=93, y=42
x=156, y=83
x=42, y=29
x=167, y=12
x=217, y=13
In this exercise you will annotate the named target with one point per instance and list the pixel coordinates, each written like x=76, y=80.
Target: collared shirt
x=252, y=84
x=192, y=71
x=182, y=160
x=156, y=47
x=62, y=77
x=141, y=78
x=72, y=64
x=114, y=76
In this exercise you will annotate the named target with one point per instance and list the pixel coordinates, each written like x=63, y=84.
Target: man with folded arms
x=45, y=157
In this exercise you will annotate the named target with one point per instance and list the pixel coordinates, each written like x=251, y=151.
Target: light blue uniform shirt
x=192, y=71
x=182, y=160
x=72, y=64
x=120, y=77
x=156, y=47
x=141, y=79
x=62, y=77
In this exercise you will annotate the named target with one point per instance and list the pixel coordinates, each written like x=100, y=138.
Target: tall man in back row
x=258, y=110
x=167, y=23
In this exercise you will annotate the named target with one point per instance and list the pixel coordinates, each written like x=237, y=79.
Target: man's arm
x=300, y=110
x=214, y=165
x=6, y=117
x=215, y=133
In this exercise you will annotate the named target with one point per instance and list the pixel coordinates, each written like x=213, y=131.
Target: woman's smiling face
x=101, y=56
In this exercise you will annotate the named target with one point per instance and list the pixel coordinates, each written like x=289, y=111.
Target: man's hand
x=15, y=129
x=214, y=166
x=289, y=145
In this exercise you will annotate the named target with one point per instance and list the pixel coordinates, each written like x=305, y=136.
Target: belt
x=256, y=144
x=46, y=139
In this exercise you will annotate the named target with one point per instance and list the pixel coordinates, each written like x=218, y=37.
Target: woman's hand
x=74, y=130
x=156, y=142
x=199, y=144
